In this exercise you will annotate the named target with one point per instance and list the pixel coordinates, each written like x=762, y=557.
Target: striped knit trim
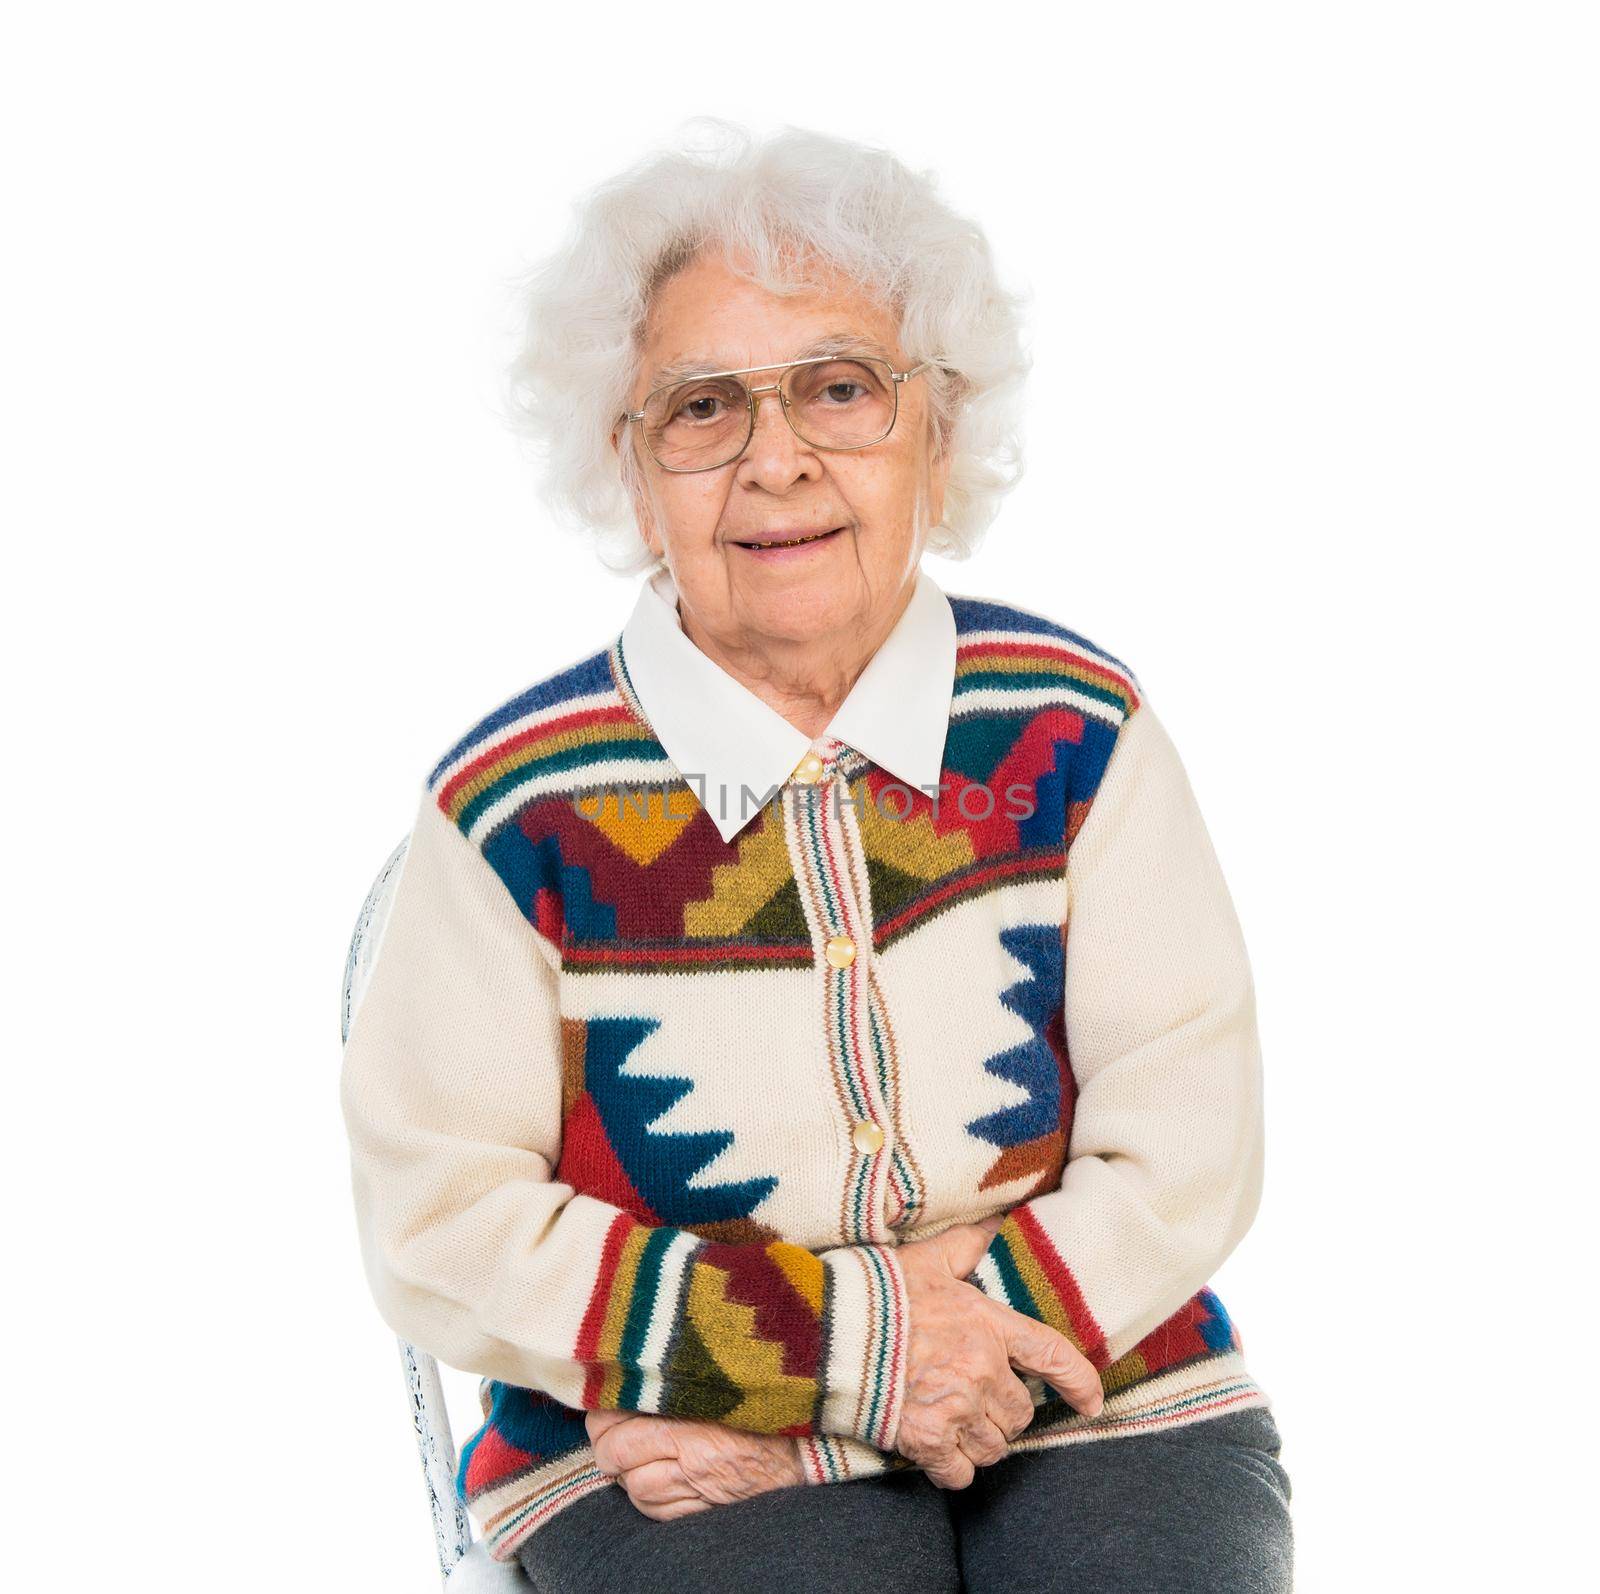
x=1197, y=1390
x=510, y=1514
x=833, y=907
x=825, y=1458
x=1023, y=1268
x=877, y=1380
x=623, y=678
x=571, y=733
x=1010, y=670
x=583, y=727
x=1010, y=658
x=1183, y=1396
x=637, y=1302
x=906, y=1180
x=976, y=615
x=907, y=1184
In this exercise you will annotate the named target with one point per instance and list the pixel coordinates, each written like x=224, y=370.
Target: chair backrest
x=430, y=1418
x=368, y=937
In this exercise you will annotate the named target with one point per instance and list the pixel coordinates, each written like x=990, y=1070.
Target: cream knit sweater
x=639, y=1113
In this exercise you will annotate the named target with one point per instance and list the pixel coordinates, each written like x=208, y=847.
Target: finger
x=598, y=1422
x=678, y=1508
x=961, y=1247
x=1012, y=1408
x=644, y=1440
x=1035, y=1347
x=951, y=1471
x=659, y=1482
x=982, y=1442
x=605, y=1456
x=992, y=1222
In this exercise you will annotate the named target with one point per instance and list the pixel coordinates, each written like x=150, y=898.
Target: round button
x=867, y=1135
x=840, y=951
x=809, y=769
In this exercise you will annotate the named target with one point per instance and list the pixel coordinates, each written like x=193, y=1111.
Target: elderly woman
x=812, y=1042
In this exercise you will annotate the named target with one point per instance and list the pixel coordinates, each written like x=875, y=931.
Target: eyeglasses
x=834, y=402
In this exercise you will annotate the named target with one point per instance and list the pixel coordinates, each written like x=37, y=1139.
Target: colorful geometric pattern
x=1023, y=1268
x=678, y=1326
x=697, y=1307
x=1033, y=1133
x=662, y=1282
x=610, y=1151
x=606, y=851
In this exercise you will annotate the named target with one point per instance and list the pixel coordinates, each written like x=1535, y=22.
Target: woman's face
x=884, y=499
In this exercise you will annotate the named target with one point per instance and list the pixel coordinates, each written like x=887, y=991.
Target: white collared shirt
x=725, y=738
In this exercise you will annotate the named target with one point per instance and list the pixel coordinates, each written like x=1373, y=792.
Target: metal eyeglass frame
x=753, y=397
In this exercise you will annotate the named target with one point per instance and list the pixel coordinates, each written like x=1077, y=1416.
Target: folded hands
x=964, y=1400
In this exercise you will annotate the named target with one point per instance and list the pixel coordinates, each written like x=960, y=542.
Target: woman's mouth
x=777, y=547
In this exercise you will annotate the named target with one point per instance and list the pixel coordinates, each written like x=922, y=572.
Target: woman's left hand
x=675, y=1466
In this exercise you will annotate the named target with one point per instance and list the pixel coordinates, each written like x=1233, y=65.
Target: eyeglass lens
x=703, y=423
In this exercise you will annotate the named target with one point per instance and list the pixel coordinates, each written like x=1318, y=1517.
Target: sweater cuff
x=826, y=1458
x=864, y=1367
x=1022, y=1269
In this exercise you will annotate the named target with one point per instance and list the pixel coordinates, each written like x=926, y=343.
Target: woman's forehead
x=708, y=317
x=696, y=363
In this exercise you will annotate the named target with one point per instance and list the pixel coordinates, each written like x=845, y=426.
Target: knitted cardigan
x=628, y=1130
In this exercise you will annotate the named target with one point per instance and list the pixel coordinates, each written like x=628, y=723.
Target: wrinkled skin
x=799, y=630
x=672, y=1466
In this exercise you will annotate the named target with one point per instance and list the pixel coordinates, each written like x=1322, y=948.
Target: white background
x=1312, y=446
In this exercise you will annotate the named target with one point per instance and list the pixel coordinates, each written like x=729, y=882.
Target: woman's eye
x=843, y=392
x=700, y=409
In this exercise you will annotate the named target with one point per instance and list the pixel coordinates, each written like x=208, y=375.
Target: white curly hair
x=787, y=203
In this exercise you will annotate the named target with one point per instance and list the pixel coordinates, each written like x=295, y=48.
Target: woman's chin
x=816, y=576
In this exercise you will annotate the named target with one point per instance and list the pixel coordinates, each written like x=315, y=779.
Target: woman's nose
x=775, y=449
x=756, y=397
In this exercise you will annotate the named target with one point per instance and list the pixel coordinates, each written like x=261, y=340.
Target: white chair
x=464, y=1563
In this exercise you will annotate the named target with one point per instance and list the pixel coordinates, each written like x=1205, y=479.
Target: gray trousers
x=1183, y=1510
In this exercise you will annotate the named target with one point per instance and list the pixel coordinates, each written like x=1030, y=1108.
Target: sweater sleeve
x=452, y=1090
x=1164, y=1165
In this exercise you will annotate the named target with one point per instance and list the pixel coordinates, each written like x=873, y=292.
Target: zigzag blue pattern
x=1032, y=1063
x=660, y=1164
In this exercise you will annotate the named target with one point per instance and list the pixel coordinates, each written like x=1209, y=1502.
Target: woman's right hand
x=964, y=1404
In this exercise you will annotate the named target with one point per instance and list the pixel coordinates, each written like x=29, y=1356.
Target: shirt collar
x=713, y=726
